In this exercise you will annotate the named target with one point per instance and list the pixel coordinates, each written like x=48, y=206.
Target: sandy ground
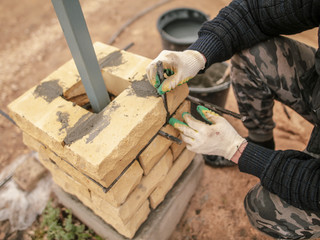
x=32, y=46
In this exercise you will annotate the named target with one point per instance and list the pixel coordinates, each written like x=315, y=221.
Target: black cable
x=7, y=117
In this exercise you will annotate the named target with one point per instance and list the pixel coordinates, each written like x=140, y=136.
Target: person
x=265, y=67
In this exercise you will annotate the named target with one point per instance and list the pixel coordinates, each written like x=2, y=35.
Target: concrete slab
x=161, y=221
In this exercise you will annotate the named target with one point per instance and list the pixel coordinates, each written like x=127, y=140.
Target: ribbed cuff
x=254, y=159
x=211, y=47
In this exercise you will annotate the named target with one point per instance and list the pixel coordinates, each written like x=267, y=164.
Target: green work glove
x=179, y=68
x=217, y=138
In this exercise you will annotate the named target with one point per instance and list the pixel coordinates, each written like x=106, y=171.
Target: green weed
x=58, y=224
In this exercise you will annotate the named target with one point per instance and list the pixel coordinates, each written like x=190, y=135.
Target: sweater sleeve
x=292, y=175
x=243, y=23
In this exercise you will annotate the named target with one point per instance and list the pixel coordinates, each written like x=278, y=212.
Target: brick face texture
x=115, y=150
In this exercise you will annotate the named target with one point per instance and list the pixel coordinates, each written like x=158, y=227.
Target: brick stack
x=118, y=149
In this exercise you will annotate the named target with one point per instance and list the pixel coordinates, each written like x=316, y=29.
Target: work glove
x=179, y=68
x=216, y=138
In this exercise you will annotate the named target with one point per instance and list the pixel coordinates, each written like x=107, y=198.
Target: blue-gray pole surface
x=78, y=38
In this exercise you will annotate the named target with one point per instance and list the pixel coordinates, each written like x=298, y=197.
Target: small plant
x=58, y=224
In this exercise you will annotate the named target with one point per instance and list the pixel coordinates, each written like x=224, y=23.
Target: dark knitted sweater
x=292, y=175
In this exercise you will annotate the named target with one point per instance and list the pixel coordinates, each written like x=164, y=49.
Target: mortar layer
x=144, y=89
x=91, y=124
x=112, y=60
x=63, y=118
x=48, y=90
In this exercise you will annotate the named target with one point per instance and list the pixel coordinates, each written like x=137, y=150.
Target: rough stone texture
x=119, y=191
x=146, y=187
x=78, y=135
x=108, y=213
x=160, y=223
x=158, y=195
x=152, y=154
x=176, y=97
x=31, y=142
x=177, y=148
x=29, y=173
x=128, y=209
x=87, y=151
x=184, y=107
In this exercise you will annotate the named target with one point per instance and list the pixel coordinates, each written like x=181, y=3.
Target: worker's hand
x=179, y=68
x=219, y=138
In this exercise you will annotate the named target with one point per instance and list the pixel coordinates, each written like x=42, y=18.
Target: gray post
x=78, y=38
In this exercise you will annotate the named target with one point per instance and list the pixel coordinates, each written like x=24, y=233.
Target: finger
x=152, y=75
x=182, y=127
x=184, y=81
x=167, y=85
x=192, y=122
x=188, y=140
x=208, y=115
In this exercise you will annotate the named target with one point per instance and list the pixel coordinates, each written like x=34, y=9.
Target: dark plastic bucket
x=179, y=27
x=205, y=87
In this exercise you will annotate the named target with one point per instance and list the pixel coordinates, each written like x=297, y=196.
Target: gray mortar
x=63, y=118
x=144, y=89
x=49, y=90
x=112, y=60
x=91, y=124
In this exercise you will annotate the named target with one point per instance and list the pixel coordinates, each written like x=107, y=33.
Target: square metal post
x=75, y=30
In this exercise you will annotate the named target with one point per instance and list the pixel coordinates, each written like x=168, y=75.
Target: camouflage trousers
x=269, y=71
x=276, y=218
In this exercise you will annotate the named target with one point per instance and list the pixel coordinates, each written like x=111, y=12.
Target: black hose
x=7, y=117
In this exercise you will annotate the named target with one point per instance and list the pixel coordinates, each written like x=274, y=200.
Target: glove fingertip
x=174, y=122
x=160, y=92
x=205, y=112
x=184, y=113
x=157, y=81
x=162, y=89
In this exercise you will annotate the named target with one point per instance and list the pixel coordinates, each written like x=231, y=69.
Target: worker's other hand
x=179, y=68
x=217, y=138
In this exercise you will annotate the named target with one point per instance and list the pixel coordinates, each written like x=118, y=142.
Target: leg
x=273, y=216
x=270, y=70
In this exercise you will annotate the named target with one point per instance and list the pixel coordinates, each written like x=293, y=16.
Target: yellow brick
x=176, y=97
x=158, y=195
x=147, y=185
x=31, y=142
x=130, y=228
x=125, y=185
x=177, y=148
x=120, y=190
x=171, y=130
x=184, y=107
x=101, y=145
x=107, y=212
x=152, y=154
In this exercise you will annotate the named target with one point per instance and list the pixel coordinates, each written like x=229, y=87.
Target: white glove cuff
x=238, y=141
x=196, y=61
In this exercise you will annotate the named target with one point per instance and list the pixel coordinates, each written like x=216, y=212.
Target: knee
x=258, y=205
x=274, y=217
x=262, y=213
